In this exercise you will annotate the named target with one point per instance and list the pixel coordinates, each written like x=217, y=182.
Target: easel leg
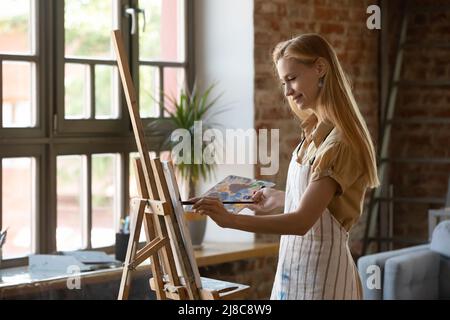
x=157, y=273
x=159, y=228
x=137, y=210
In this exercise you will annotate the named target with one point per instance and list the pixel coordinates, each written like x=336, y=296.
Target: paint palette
x=236, y=188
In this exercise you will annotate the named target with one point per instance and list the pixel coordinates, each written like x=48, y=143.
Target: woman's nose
x=288, y=91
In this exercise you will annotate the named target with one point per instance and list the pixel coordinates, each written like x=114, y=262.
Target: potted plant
x=185, y=111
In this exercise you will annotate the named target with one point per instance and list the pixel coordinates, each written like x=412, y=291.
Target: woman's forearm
x=313, y=203
x=287, y=223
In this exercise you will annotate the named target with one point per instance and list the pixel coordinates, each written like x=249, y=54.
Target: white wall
x=224, y=54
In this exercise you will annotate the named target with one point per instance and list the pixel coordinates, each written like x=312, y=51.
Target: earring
x=321, y=82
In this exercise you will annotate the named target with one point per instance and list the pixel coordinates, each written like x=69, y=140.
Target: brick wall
x=258, y=273
x=424, y=60
x=343, y=24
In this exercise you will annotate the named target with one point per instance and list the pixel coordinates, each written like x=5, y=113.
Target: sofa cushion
x=379, y=260
x=414, y=275
x=440, y=242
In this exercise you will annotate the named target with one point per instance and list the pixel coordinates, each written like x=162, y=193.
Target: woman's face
x=300, y=82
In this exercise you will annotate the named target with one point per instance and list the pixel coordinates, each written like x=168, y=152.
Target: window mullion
x=48, y=113
x=86, y=213
x=35, y=165
x=48, y=217
x=1, y=194
x=189, y=44
x=92, y=91
x=161, y=91
x=1, y=93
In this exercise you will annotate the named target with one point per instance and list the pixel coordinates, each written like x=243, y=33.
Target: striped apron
x=317, y=265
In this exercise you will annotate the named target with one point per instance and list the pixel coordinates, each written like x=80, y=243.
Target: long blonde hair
x=335, y=102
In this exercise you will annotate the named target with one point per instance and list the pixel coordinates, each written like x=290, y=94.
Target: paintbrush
x=224, y=202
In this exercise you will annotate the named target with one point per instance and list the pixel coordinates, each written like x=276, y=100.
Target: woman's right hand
x=267, y=199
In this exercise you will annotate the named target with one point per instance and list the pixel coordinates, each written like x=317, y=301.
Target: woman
x=328, y=175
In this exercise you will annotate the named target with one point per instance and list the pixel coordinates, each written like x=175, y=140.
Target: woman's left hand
x=213, y=208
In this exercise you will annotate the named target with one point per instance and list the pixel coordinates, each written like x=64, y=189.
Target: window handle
x=133, y=12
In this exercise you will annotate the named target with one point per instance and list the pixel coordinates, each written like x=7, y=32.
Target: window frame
x=37, y=58
x=38, y=221
x=63, y=126
x=52, y=137
x=188, y=64
x=99, y=147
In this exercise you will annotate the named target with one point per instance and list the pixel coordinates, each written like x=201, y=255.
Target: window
x=87, y=200
x=21, y=167
x=161, y=61
x=70, y=198
x=88, y=89
x=19, y=59
x=18, y=206
x=66, y=139
x=105, y=177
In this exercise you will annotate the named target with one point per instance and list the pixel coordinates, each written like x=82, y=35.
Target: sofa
x=418, y=272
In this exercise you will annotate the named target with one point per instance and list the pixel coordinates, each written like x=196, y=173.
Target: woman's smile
x=298, y=98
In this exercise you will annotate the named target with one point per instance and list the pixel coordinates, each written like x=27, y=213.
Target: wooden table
x=19, y=281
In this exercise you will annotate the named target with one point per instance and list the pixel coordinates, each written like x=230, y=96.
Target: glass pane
x=16, y=26
x=106, y=96
x=19, y=107
x=148, y=92
x=133, y=193
x=18, y=194
x=163, y=37
x=76, y=83
x=88, y=25
x=173, y=84
x=104, y=199
x=69, y=193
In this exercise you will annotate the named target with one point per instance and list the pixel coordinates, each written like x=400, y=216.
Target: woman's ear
x=321, y=66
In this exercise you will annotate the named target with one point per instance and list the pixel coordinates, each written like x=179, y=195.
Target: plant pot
x=197, y=227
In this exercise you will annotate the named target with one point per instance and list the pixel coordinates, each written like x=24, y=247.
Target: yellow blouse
x=330, y=156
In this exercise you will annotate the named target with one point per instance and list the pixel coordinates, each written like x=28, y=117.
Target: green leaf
x=183, y=113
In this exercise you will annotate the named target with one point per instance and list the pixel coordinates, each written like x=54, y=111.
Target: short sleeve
x=337, y=161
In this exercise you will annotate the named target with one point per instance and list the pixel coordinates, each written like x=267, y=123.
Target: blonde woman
x=328, y=175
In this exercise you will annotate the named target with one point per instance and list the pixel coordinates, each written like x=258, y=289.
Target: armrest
x=414, y=275
x=379, y=260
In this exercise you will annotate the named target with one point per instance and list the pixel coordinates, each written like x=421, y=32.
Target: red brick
x=324, y=13
x=268, y=7
x=330, y=28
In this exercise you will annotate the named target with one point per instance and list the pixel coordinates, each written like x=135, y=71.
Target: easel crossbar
x=157, y=207
x=147, y=251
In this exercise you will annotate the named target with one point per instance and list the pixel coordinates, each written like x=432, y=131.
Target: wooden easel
x=169, y=247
